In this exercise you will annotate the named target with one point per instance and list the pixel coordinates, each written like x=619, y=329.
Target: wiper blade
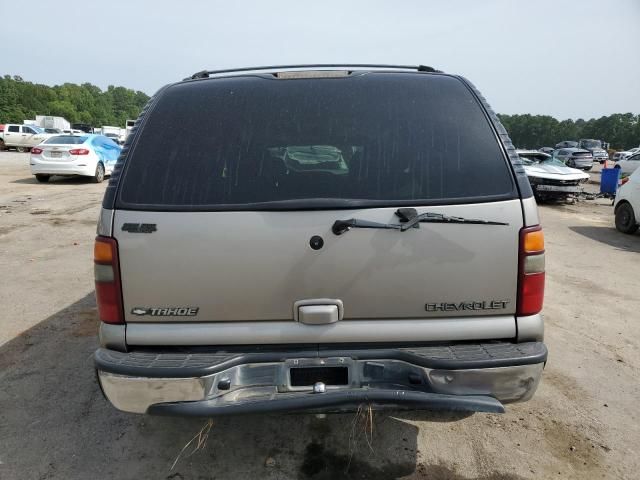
x=409, y=218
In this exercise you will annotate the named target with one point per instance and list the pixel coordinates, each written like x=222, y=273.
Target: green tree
x=620, y=130
x=21, y=100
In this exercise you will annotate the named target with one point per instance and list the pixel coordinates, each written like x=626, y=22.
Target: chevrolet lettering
x=454, y=307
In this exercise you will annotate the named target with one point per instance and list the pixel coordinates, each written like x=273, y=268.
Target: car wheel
x=21, y=149
x=98, y=177
x=42, y=178
x=626, y=219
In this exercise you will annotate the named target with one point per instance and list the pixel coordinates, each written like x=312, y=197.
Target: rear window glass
x=368, y=139
x=66, y=140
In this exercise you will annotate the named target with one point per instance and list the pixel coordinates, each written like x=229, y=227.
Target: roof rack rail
x=208, y=73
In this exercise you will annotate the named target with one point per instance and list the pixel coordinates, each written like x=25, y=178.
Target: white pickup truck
x=22, y=137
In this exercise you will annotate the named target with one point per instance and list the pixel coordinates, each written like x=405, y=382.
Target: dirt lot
x=583, y=422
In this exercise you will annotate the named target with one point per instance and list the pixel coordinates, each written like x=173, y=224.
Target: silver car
x=575, y=158
x=317, y=238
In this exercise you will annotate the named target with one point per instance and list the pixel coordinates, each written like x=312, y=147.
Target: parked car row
x=625, y=154
x=62, y=152
x=594, y=147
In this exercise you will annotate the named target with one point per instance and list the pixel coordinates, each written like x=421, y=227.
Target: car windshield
x=553, y=161
x=591, y=144
x=538, y=159
x=66, y=140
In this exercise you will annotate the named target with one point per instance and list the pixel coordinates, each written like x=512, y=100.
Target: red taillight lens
x=107, y=276
x=624, y=180
x=79, y=151
x=36, y=150
x=531, y=271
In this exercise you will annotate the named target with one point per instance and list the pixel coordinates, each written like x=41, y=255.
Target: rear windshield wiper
x=409, y=218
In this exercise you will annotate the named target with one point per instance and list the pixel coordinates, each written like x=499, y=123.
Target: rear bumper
x=469, y=377
x=558, y=189
x=86, y=167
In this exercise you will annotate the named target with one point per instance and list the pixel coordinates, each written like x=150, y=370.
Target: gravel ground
x=582, y=423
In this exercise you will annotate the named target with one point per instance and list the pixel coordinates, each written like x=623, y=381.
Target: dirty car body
x=550, y=178
x=324, y=245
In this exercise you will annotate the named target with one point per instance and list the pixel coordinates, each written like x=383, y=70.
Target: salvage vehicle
x=627, y=204
x=575, y=158
x=22, y=137
x=628, y=165
x=86, y=155
x=550, y=178
x=625, y=154
x=318, y=238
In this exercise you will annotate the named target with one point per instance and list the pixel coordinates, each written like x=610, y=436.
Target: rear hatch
x=229, y=218
x=582, y=158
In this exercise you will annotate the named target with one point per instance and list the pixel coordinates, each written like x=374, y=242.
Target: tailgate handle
x=320, y=311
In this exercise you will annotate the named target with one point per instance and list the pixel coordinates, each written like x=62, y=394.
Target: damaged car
x=551, y=179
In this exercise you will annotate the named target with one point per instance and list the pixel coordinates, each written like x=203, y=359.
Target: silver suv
x=575, y=158
x=316, y=238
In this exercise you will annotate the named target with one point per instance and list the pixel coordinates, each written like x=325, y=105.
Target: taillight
x=107, y=276
x=79, y=151
x=531, y=271
x=624, y=180
x=36, y=150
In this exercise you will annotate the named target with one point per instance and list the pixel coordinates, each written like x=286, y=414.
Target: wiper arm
x=409, y=218
x=341, y=226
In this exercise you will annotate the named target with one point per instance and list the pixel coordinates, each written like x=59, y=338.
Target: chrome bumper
x=236, y=385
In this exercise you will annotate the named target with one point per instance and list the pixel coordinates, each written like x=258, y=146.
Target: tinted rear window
x=66, y=140
x=369, y=139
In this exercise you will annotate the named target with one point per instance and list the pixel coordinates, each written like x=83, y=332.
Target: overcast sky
x=566, y=58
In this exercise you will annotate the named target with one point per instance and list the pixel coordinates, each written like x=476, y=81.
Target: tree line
x=21, y=100
x=620, y=130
